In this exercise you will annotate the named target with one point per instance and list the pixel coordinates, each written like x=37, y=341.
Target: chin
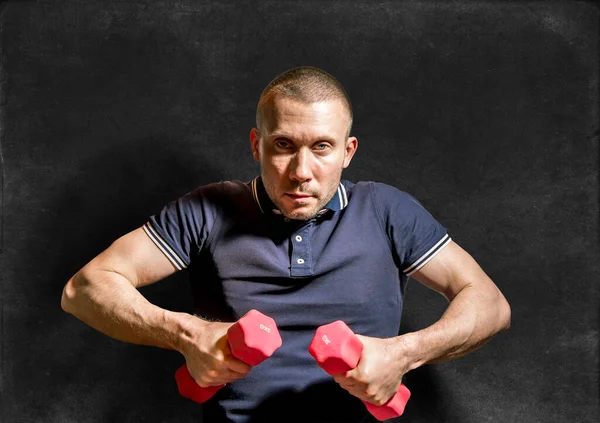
x=300, y=215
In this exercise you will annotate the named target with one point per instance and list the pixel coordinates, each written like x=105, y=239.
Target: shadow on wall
x=430, y=400
x=97, y=378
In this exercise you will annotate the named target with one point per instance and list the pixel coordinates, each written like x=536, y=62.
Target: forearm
x=109, y=303
x=471, y=319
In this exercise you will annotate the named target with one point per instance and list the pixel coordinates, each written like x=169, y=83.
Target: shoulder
x=225, y=198
x=221, y=189
x=220, y=193
x=383, y=194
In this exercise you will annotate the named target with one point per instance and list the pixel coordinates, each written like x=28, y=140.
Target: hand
x=378, y=375
x=208, y=356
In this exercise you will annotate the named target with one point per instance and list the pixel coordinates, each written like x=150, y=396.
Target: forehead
x=287, y=114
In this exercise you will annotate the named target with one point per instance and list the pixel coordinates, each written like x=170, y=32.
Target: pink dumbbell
x=252, y=339
x=337, y=350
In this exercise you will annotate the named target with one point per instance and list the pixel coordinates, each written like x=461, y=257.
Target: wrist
x=181, y=329
x=410, y=350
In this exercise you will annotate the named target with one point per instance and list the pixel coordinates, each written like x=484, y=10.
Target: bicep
x=451, y=270
x=136, y=257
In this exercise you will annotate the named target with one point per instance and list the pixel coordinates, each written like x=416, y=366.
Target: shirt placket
x=301, y=257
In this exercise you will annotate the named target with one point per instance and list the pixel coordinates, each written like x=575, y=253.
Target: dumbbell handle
x=188, y=387
x=250, y=349
x=352, y=348
x=194, y=391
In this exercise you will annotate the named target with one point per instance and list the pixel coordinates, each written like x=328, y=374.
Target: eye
x=282, y=144
x=322, y=146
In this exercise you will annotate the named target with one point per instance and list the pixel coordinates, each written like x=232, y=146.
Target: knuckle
x=202, y=381
x=379, y=400
x=362, y=376
x=371, y=392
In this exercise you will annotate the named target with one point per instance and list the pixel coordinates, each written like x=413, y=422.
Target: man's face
x=302, y=149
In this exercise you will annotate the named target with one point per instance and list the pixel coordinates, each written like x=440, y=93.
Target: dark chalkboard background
x=487, y=112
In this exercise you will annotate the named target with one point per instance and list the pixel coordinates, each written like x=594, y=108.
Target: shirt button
x=300, y=261
x=298, y=238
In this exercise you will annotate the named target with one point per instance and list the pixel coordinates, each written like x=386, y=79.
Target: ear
x=351, y=146
x=254, y=139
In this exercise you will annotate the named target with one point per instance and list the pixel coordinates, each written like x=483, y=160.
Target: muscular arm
x=104, y=294
x=477, y=309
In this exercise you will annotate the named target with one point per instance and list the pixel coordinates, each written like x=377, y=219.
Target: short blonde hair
x=308, y=85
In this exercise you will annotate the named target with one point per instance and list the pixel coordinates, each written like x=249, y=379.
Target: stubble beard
x=274, y=195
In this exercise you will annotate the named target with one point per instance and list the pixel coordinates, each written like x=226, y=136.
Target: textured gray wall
x=487, y=112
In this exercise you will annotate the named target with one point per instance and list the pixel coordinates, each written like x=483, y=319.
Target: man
x=304, y=247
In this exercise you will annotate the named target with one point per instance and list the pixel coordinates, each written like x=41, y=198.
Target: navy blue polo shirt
x=350, y=262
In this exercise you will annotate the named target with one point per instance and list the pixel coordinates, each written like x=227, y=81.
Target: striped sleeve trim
x=343, y=196
x=164, y=247
x=428, y=255
x=255, y=194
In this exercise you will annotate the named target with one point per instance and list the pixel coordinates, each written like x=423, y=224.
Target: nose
x=300, y=167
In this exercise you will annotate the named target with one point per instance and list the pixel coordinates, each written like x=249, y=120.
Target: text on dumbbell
x=265, y=328
x=326, y=339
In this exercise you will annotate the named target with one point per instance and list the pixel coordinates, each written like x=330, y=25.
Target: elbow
x=504, y=314
x=69, y=296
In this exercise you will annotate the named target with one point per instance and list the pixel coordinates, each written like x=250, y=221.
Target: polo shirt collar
x=338, y=202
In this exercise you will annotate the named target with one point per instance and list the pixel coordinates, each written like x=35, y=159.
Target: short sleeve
x=182, y=226
x=414, y=234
